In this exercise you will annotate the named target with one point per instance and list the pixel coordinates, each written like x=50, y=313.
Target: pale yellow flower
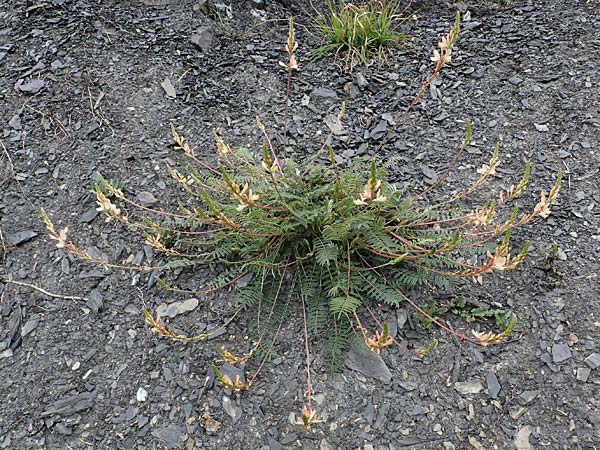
x=445, y=56
x=105, y=205
x=485, y=169
x=542, y=209
x=61, y=238
x=445, y=42
x=371, y=193
x=308, y=418
x=247, y=197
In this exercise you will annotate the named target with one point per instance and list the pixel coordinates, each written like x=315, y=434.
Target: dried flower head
x=381, y=340
x=223, y=149
x=106, y=206
x=61, y=238
x=308, y=418
x=246, y=197
x=371, y=193
x=442, y=57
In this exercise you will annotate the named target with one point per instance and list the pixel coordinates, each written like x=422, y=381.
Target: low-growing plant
x=358, y=32
x=327, y=243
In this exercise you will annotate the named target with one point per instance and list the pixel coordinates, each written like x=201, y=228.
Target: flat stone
x=30, y=325
x=231, y=409
x=169, y=88
x=324, y=93
x=71, y=404
x=274, y=445
x=593, y=361
x=379, y=131
x=32, y=87
x=91, y=274
x=172, y=435
x=202, y=38
x=468, y=387
x=529, y=396
x=20, y=237
x=131, y=412
x=522, y=439
x=233, y=372
x=89, y=215
x=417, y=410
x=583, y=373
x=325, y=445
x=515, y=80
x=95, y=301
x=428, y=172
x=541, y=127
x=369, y=414
x=560, y=353
x=334, y=125
x=361, y=359
x=361, y=80
x=492, y=384
x=15, y=123
x=146, y=198
x=141, y=395
x=351, y=89
x=174, y=309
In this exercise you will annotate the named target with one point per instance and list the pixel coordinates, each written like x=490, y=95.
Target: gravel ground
x=90, y=85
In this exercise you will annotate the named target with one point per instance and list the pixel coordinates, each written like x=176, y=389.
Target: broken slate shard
x=593, y=361
x=20, y=237
x=30, y=325
x=468, y=387
x=69, y=405
x=560, y=353
x=202, y=38
x=174, y=436
x=492, y=384
x=174, y=309
x=169, y=88
x=146, y=198
x=233, y=411
x=32, y=87
x=361, y=359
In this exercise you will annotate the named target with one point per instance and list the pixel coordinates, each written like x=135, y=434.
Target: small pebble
x=141, y=395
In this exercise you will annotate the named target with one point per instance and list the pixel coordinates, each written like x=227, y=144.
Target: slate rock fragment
x=361, y=359
x=560, y=353
x=32, y=87
x=323, y=93
x=30, y=325
x=529, y=396
x=593, y=361
x=145, y=197
x=274, y=445
x=233, y=411
x=20, y=237
x=492, y=384
x=95, y=301
x=89, y=215
x=172, y=435
x=71, y=404
x=202, y=38
x=379, y=131
x=169, y=88
x=174, y=309
x=468, y=387
x=583, y=373
x=15, y=123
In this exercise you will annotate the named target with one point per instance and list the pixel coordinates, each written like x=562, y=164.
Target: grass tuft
x=358, y=32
